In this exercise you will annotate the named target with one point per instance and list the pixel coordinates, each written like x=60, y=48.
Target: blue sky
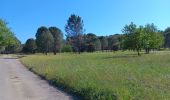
x=102, y=17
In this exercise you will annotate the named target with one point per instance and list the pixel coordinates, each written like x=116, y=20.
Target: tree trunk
x=138, y=50
x=147, y=50
x=79, y=50
x=46, y=51
x=55, y=52
x=138, y=53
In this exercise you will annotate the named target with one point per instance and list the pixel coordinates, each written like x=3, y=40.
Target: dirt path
x=17, y=83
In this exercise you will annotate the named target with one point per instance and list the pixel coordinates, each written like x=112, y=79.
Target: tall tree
x=44, y=40
x=30, y=46
x=58, y=39
x=74, y=29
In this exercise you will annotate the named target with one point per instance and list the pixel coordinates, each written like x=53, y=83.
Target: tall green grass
x=107, y=76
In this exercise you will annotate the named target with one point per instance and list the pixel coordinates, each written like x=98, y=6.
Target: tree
x=167, y=37
x=14, y=47
x=44, y=40
x=8, y=42
x=30, y=46
x=74, y=29
x=104, y=43
x=129, y=31
x=113, y=42
x=97, y=45
x=137, y=38
x=133, y=37
x=92, y=42
x=152, y=39
x=58, y=38
x=158, y=40
x=6, y=36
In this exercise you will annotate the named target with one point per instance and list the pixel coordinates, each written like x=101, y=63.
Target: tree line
x=136, y=38
x=51, y=39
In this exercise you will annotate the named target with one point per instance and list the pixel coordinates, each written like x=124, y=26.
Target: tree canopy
x=8, y=40
x=75, y=30
x=30, y=46
x=44, y=39
x=6, y=36
x=92, y=42
x=58, y=39
x=137, y=38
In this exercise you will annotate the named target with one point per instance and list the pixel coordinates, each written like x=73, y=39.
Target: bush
x=67, y=48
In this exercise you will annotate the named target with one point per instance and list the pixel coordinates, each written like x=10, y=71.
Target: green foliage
x=129, y=36
x=30, y=46
x=44, y=39
x=133, y=37
x=8, y=42
x=58, y=38
x=6, y=36
x=66, y=48
x=152, y=39
x=106, y=76
x=138, y=38
x=14, y=47
x=74, y=29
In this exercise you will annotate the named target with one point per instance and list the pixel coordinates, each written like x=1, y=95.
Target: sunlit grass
x=107, y=75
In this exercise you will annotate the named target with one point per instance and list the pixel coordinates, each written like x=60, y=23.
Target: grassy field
x=107, y=76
